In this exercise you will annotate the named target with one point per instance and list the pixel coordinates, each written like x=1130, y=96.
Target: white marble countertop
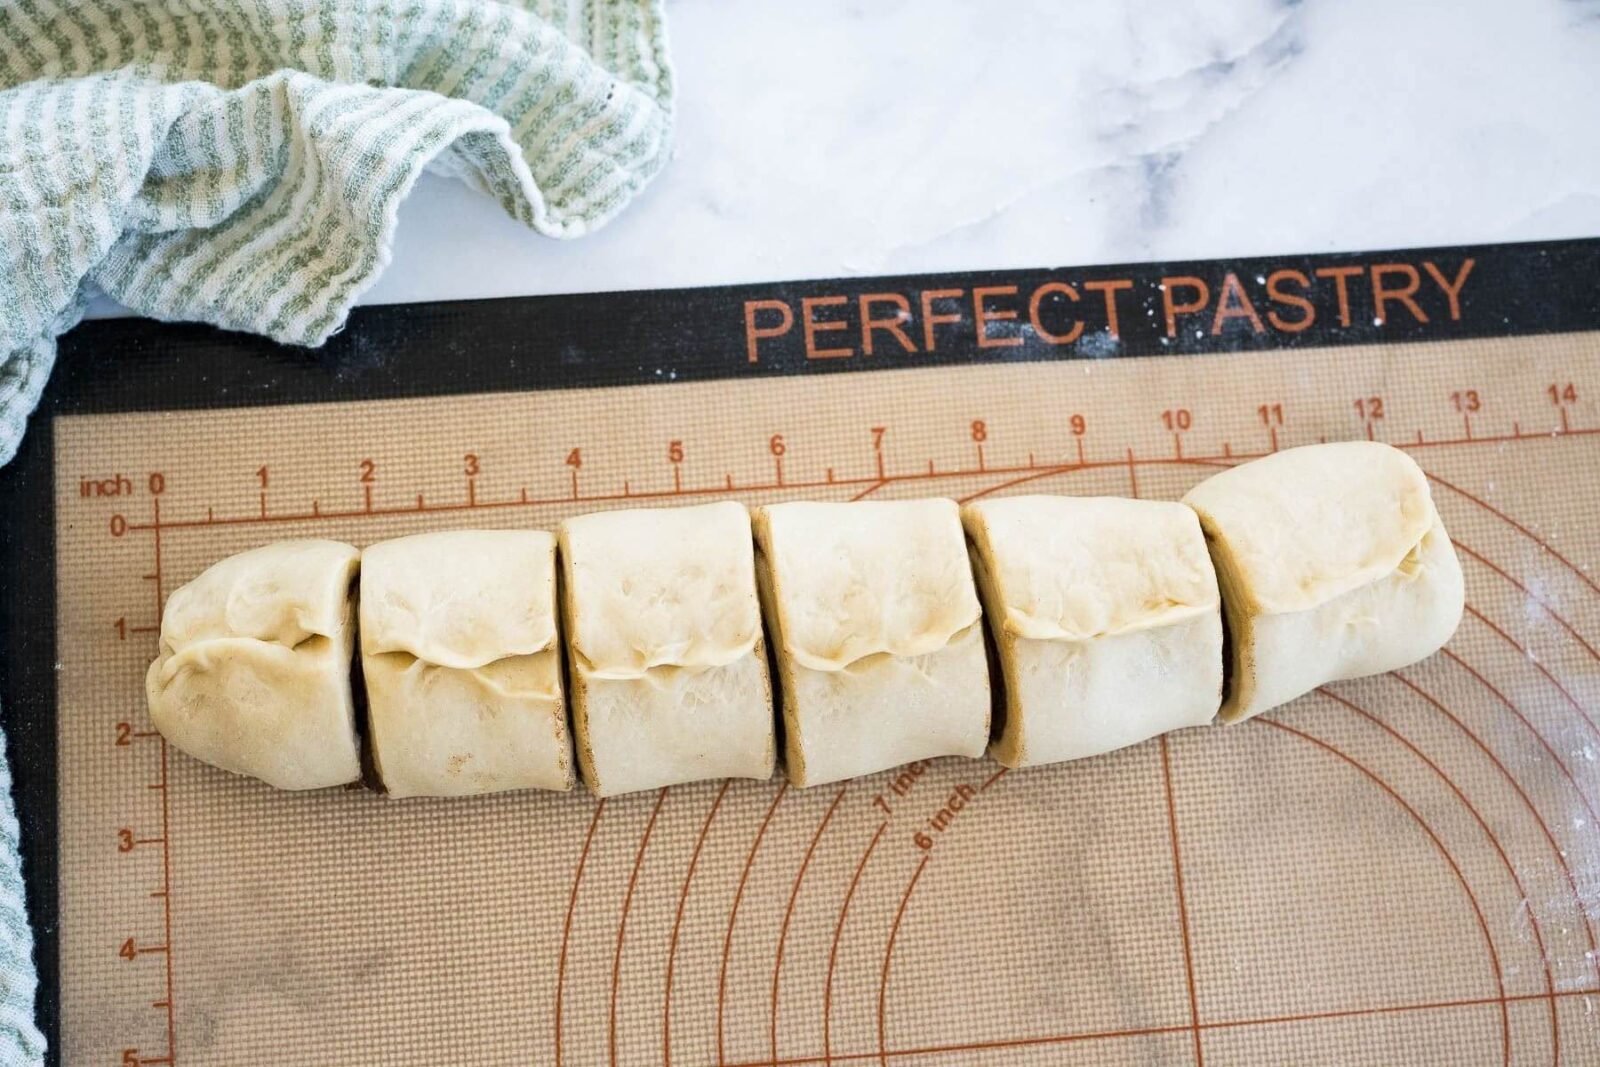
x=838, y=137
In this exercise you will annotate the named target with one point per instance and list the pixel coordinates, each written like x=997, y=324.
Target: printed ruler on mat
x=1402, y=868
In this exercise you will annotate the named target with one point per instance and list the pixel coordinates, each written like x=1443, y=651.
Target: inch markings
x=1174, y=423
x=127, y=841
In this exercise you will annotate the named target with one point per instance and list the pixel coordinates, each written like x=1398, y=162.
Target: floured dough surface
x=460, y=651
x=1075, y=568
x=253, y=674
x=1333, y=564
x=282, y=593
x=883, y=711
x=1107, y=621
x=668, y=665
x=875, y=616
x=675, y=724
x=1308, y=524
x=868, y=577
x=661, y=586
x=460, y=598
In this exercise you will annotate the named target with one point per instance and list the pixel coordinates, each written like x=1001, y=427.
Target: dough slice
x=876, y=621
x=460, y=650
x=1106, y=619
x=253, y=675
x=669, y=671
x=1333, y=564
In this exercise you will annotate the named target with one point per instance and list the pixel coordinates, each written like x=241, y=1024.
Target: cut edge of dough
x=1007, y=745
x=780, y=675
x=1238, y=675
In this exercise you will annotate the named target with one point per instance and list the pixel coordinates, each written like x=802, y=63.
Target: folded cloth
x=20, y=1040
x=240, y=162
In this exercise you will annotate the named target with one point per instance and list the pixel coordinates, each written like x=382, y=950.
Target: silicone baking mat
x=1400, y=869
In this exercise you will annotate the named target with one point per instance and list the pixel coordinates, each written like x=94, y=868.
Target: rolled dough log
x=876, y=622
x=668, y=666
x=253, y=674
x=1106, y=619
x=1333, y=564
x=460, y=649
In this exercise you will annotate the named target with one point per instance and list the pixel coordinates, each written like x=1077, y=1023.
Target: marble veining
x=844, y=137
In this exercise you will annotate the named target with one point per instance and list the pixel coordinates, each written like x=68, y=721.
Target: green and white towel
x=240, y=162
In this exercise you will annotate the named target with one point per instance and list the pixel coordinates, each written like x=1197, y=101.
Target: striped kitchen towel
x=240, y=162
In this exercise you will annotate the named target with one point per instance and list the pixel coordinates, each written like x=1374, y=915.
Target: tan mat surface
x=1404, y=869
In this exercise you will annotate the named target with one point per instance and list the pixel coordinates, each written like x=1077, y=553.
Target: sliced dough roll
x=1333, y=564
x=460, y=650
x=1106, y=619
x=253, y=674
x=669, y=671
x=876, y=623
